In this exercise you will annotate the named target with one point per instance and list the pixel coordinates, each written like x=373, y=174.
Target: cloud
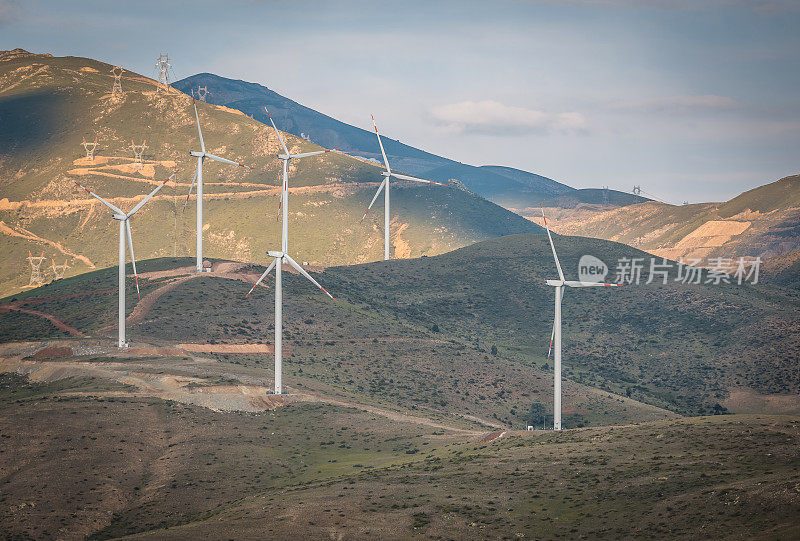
x=678, y=104
x=494, y=118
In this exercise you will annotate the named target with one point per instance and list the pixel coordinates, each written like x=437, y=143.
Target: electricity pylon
x=36, y=269
x=89, y=147
x=117, y=89
x=138, y=150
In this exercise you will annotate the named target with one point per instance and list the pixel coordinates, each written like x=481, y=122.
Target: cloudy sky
x=692, y=99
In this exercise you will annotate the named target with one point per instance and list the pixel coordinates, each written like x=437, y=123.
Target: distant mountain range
x=506, y=186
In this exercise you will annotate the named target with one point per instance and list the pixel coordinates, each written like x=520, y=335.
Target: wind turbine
x=125, y=231
x=385, y=185
x=555, y=338
x=279, y=258
x=198, y=178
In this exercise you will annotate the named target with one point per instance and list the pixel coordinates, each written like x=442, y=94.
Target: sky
x=693, y=100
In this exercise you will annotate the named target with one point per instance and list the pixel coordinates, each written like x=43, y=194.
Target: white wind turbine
x=125, y=231
x=555, y=338
x=385, y=186
x=279, y=258
x=198, y=178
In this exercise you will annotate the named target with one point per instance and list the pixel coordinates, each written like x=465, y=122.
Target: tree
x=537, y=415
x=494, y=350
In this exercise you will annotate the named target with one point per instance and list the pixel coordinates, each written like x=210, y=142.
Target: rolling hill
x=506, y=186
x=762, y=222
x=467, y=331
x=49, y=105
x=405, y=395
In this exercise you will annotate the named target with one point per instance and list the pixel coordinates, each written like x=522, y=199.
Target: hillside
x=48, y=106
x=762, y=222
x=433, y=321
x=405, y=395
x=505, y=186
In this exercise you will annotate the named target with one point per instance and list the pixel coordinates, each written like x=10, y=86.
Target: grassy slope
x=94, y=465
x=51, y=104
x=420, y=332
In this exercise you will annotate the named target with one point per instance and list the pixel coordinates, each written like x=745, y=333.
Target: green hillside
x=428, y=332
x=49, y=105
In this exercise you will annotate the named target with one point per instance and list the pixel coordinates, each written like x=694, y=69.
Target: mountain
x=762, y=222
x=49, y=105
x=505, y=186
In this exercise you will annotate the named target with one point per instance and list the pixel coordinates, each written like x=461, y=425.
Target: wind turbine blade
x=271, y=265
x=552, y=337
x=573, y=283
x=552, y=246
x=199, y=131
x=374, y=198
x=286, y=150
x=190, y=190
x=406, y=177
x=225, y=160
x=106, y=203
x=385, y=161
x=151, y=194
x=307, y=154
x=302, y=271
x=133, y=259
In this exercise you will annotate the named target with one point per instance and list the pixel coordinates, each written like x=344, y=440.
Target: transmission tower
x=117, y=90
x=202, y=92
x=637, y=190
x=605, y=195
x=89, y=147
x=59, y=270
x=36, y=269
x=138, y=150
x=163, y=66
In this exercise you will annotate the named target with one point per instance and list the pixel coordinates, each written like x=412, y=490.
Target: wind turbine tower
x=36, y=269
x=201, y=155
x=385, y=186
x=283, y=257
x=89, y=148
x=555, y=338
x=125, y=233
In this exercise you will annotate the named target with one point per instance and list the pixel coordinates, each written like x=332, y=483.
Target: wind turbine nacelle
x=555, y=283
x=273, y=253
x=386, y=173
x=119, y=217
x=196, y=154
x=284, y=157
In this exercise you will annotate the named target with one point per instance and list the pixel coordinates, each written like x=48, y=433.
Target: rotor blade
x=302, y=271
x=374, y=198
x=307, y=154
x=385, y=161
x=573, y=283
x=199, y=131
x=190, y=190
x=286, y=150
x=271, y=265
x=225, y=160
x=133, y=259
x=106, y=203
x=151, y=194
x=552, y=337
x=406, y=177
x=552, y=246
